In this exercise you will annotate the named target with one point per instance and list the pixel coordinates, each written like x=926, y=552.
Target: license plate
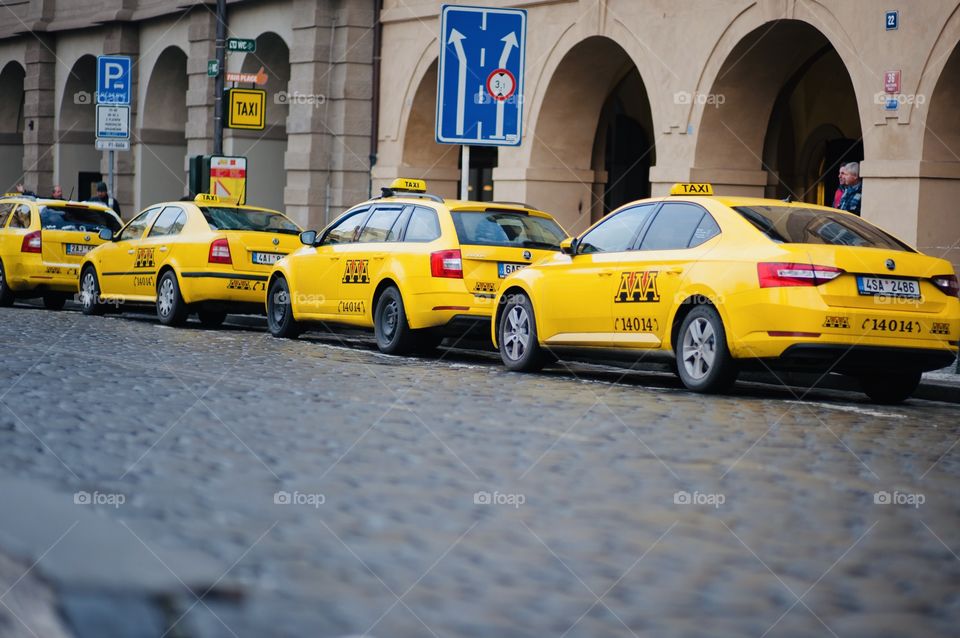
x=267, y=259
x=504, y=269
x=78, y=249
x=889, y=287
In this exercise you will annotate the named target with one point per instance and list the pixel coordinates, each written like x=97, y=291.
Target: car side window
x=706, y=230
x=169, y=222
x=618, y=232
x=134, y=230
x=345, y=230
x=423, y=225
x=5, y=210
x=380, y=226
x=673, y=227
x=20, y=217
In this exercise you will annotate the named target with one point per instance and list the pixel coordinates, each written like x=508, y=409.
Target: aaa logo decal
x=144, y=258
x=356, y=272
x=638, y=287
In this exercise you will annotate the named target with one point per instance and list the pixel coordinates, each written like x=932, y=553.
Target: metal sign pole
x=110, y=192
x=465, y=172
x=218, y=83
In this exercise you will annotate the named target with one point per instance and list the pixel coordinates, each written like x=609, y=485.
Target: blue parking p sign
x=480, y=83
x=113, y=79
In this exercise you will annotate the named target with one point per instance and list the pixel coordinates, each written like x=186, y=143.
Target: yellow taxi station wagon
x=410, y=265
x=42, y=242
x=723, y=283
x=209, y=256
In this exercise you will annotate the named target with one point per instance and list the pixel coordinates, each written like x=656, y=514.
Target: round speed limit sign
x=501, y=84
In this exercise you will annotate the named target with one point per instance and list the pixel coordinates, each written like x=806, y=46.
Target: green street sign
x=241, y=45
x=213, y=68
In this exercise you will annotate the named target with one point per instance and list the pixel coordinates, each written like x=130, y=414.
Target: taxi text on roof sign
x=246, y=109
x=404, y=184
x=691, y=189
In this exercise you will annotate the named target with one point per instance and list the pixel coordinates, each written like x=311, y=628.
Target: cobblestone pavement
x=346, y=492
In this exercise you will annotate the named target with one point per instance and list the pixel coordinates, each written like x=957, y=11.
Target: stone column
x=202, y=33
x=328, y=136
x=38, y=112
x=124, y=39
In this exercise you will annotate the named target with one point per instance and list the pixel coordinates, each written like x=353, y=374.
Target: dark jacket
x=852, y=195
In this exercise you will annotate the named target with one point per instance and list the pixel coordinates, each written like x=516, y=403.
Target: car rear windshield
x=800, y=225
x=507, y=228
x=242, y=219
x=79, y=218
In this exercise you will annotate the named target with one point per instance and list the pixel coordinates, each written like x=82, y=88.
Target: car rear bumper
x=435, y=309
x=225, y=286
x=862, y=359
x=29, y=273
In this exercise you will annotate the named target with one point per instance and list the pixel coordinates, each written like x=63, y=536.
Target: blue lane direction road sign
x=113, y=79
x=480, y=84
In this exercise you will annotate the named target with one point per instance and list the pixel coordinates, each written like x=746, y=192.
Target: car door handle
x=163, y=249
x=376, y=256
x=334, y=258
x=672, y=271
x=605, y=274
x=130, y=252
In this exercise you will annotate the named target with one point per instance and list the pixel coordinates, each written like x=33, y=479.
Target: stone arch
x=265, y=150
x=78, y=160
x=781, y=85
x=595, y=82
x=11, y=125
x=162, y=146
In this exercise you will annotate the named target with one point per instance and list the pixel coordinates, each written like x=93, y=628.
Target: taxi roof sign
x=691, y=189
x=410, y=185
x=206, y=197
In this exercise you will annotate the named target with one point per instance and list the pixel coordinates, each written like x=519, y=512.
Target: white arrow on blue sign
x=480, y=83
x=113, y=79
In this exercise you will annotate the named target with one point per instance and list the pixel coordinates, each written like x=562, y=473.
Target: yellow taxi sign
x=246, y=109
x=410, y=185
x=691, y=189
x=206, y=198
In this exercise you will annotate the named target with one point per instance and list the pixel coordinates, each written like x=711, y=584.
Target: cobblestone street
x=337, y=491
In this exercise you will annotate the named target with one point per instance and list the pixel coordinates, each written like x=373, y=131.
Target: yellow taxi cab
x=209, y=256
x=42, y=242
x=730, y=282
x=411, y=265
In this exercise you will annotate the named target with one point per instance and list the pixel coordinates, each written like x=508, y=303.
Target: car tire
x=54, y=301
x=280, y=319
x=704, y=363
x=6, y=295
x=520, y=349
x=390, y=326
x=890, y=387
x=90, y=303
x=171, y=308
x=211, y=319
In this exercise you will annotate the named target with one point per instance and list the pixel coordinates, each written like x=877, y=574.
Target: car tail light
x=775, y=275
x=947, y=284
x=220, y=252
x=32, y=243
x=446, y=263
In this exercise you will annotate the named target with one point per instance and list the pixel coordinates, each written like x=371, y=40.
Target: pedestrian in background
x=103, y=198
x=57, y=192
x=853, y=192
x=841, y=185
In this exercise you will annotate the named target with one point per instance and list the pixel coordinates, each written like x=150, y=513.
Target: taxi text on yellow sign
x=246, y=108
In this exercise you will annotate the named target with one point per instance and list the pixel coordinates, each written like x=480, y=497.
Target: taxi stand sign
x=228, y=179
x=246, y=109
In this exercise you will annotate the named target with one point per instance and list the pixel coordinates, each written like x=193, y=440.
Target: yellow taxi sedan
x=208, y=256
x=730, y=282
x=42, y=242
x=411, y=265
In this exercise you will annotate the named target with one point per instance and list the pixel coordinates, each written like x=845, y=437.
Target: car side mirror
x=308, y=238
x=569, y=245
x=106, y=234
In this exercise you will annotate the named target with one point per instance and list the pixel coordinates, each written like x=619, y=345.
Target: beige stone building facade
x=312, y=158
x=622, y=99
x=759, y=97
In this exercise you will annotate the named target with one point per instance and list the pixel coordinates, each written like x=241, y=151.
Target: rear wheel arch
x=160, y=273
x=382, y=285
x=686, y=307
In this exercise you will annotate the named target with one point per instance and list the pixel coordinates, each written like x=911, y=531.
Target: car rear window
x=221, y=218
x=77, y=218
x=800, y=225
x=507, y=228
